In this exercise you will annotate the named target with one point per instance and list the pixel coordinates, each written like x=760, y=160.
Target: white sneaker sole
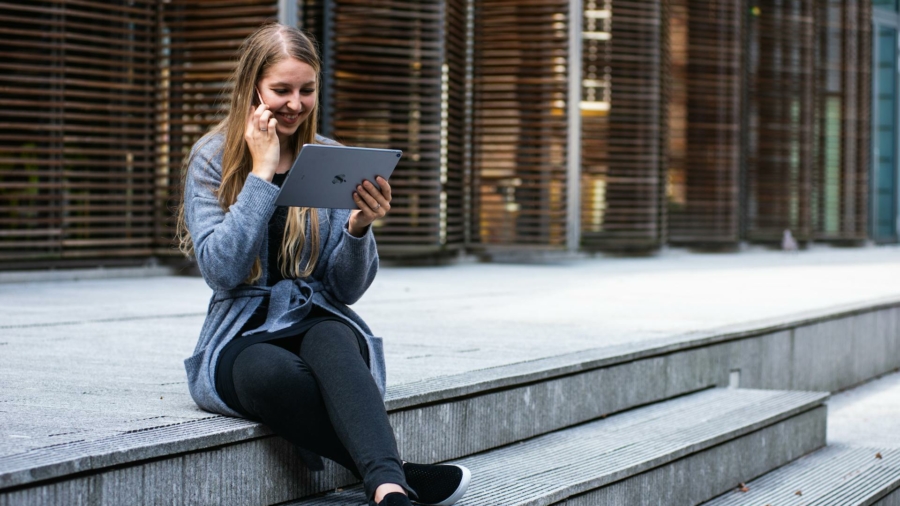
x=460, y=490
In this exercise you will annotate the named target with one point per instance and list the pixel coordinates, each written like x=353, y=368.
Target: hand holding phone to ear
x=262, y=139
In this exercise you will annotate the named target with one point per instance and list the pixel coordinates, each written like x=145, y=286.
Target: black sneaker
x=438, y=484
x=393, y=499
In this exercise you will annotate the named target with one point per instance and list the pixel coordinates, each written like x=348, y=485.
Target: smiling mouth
x=289, y=118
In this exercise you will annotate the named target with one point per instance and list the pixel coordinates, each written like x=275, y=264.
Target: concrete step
x=155, y=454
x=682, y=451
x=836, y=475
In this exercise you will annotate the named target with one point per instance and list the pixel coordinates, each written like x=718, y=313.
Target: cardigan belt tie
x=290, y=300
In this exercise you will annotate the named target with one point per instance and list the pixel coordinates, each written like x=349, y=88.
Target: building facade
x=527, y=125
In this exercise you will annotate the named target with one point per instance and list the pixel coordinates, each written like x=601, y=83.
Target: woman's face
x=289, y=89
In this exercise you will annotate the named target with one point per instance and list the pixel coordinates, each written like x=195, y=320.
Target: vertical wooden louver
x=520, y=123
x=198, y=51
x=840, y=196
x=76, y=131
x=397, y=79
x=782, y=99
x=622, y=106
x=310, y=19
x=704, y=168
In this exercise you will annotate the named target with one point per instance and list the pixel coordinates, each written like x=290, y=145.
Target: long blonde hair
x=268, y=46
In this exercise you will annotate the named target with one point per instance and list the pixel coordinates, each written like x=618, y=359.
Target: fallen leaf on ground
x=798, y=493
x=878, y=455
x=743, y=488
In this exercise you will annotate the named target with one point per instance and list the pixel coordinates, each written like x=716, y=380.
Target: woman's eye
x=280, y=92
x=308, y=91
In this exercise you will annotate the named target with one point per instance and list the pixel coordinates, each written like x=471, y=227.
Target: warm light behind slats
x=520, y=123
x=622, y=124
x=704, y=114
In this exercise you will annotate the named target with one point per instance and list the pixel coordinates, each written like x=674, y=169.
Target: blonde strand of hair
x=294, y=240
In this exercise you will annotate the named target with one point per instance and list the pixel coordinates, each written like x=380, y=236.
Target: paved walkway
x=81, y=360
x=868, y=415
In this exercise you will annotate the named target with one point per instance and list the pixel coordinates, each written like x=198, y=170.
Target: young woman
x=279, y=343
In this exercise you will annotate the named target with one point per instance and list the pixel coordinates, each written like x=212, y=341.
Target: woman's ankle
x=385, y=489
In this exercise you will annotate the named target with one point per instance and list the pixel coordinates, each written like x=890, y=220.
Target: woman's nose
x=294, y=103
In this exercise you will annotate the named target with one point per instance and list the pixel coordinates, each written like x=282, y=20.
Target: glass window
x=885, y=134
x=888, y=5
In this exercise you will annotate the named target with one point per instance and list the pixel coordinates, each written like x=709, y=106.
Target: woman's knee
x=263, y=369
x=329, y=338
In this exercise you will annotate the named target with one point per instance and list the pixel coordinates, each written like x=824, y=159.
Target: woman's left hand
x=372, y=203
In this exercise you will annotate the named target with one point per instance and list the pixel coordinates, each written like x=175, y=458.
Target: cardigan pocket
x=192, y=366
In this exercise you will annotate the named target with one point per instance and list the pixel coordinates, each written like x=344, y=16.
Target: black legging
x=323, y=398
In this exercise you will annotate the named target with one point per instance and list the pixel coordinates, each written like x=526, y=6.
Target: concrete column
x=287, y=12
x=573, y=172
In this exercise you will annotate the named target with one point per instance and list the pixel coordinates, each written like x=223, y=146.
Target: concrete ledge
x=74, y=458
x=886, y=326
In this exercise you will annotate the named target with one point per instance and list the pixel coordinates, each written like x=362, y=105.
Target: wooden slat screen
x=398, y=82
x=519, y=145
x=782, y=99
x=864, y=68
x=76, y=131
x=840, y=196
x=622, y=115
x=705, y=117
x=310, y=19
x=199, y=42
x=102, y=100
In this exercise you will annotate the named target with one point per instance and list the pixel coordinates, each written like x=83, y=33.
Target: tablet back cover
x=326, y=176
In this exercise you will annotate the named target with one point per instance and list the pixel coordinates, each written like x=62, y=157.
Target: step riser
x=263, y=471
x=702, y=476
x=893, y=499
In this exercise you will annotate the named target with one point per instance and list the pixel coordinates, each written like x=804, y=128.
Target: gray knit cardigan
x=227, y=243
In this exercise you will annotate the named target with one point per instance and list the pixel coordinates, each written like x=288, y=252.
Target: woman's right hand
x=262, y=140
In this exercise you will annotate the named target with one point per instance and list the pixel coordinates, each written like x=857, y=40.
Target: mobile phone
x=257, y=97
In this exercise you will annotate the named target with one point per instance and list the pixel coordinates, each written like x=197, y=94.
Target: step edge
x=504, y=377
x=112, y=455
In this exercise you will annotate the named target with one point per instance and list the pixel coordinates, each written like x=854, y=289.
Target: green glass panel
x=888, y=5
x=885, y=134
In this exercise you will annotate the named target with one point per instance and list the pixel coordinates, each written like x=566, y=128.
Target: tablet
x=326, y=176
